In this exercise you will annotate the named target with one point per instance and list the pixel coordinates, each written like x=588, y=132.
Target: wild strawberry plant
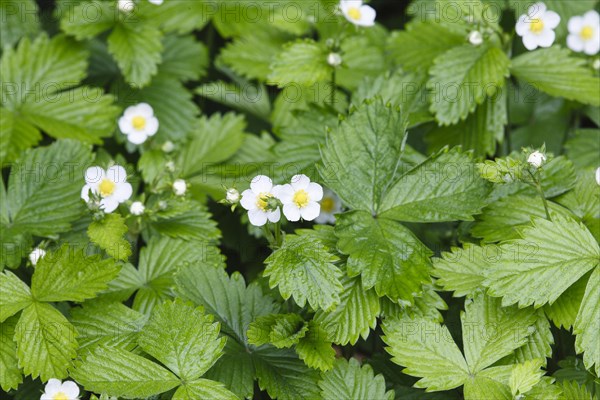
x=316, y=199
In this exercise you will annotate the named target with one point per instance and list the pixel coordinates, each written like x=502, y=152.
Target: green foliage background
x=445, y=277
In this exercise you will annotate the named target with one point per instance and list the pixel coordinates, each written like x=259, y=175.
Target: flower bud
x=168, y=146
x=475, y=38
x=232, y=196
x=179, y=187
x=334, y=59
x=536, y=159
x=137, y=208
x=35, y=255
x=170, y=166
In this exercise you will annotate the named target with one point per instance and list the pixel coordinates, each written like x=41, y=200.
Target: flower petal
x=261, y=184
x=94, y=175
x=315, y=191
x=144, y=110
x=530, y=41
x=522, y=25
x=248, y=199
x=137, y=137
x=345, y=5
x=551, y=19
x=285, y=193
x=71, y=389
x=109, y=204
x=117, y=174
x=591, y=47
x=151, y=126
x=125, y=125
x=52, y=386
x=546, y=38
x=130, y=112
x=291, y=212
x=575, y=43
x=300, y=182
x=274, y=216
x=257, y=217
x=367, y=16
x=575, y=24
x=123, y=192
x=537, y=9
x=592, y=18
x=311, y=211
x=85, y=192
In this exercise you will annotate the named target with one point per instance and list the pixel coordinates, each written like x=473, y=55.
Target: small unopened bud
x=35, y=255
x=334, y=59
x=170, y=166
x=232, y=196
x=168, y=146
x=475, y=38
x=163, y=205
x=536, y=159
x=598, y=176
x=137, y=208
x=125, y=5
x=179, y=187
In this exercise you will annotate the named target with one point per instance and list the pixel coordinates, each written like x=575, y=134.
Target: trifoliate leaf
x=113, y=324
x=446, y=187
x=462, y=270
x=587, y=324
x=137, y=49
x=19, y=18
x=121, y=373
x=386, y=254
x=557, y=73
x=183, y=338
x=362, y=155
x=10, y=373
x=315, y=348
x=203, y=389
x=69, y=274
x=108, y=234
x=348, y=380
x=280, y=330
x=184, y=58
x=301, y=63
x=524, y=270
x=15, y=295
x=303, y=268
x=46, y=343
x=463, y=77
x=354, y=317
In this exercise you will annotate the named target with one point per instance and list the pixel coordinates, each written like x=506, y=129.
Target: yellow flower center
x=262, y=201
x=587, y=33
x=301, y=198
x=537, y=25
x=138, y=122
x=106, y=187
x=60, y=396
x=354, y=13
x=327, y=205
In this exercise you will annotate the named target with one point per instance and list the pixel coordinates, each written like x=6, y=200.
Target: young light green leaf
x=525, y=376
x=108, y=234
x=203, y=389
x=303, y=268
x=348, y=380
x=121, y=373
x=46, y=343
x=462, y=270
x=183, y=338
x=315, y=348
x=15, y=295
x=303, y=62
x=280, y=330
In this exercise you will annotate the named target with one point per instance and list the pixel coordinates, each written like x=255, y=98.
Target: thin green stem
x=278, y=239
x=269, y=236
x=538, y=187
x=333, y=87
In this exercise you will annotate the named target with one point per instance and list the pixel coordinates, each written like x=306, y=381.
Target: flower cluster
x=299, y=199
x=537, y=29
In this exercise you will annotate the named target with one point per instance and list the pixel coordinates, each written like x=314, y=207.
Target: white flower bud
x=170, y=166
x=179, y=187
x=168, y=146
x=35, y=255
x=232, y=196
x=598, y=176
x=475, y=38
x=163, y=205
x=596, y=64
x=536, y=159
x=334, y=59
x=125, y=5
x=137, y=208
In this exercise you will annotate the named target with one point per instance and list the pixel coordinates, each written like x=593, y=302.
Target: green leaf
x=417, y=344
x=137, y=49
x=123, y=374
x=172, y=17
x=183, y=338
x=16, y=134
x=463, y=77
x=573, y=391
x=355, y=316
x=315, y=348
x=243, y=96
x=303, y=268
x=348, y=380
x=46, y=343
x=587, y=324
x=363, y=154
x=203, y=389
x=70, y=275
x=563, y=311
x=235, y=369
x=44, y=188
x=524, y=270
x=284, y=376
x=10, y=372
x=446, y=187
x=88, y=19
x=584, y=200
x=420, y=44
x=303, y=62
x=583, y=149
x=539, y=343
x=386, y=254
x=462, y=270
x=484, y=387
x=525, y=376
x=186, y=220
x=555, y=72
x=15, y=295
x=362, y=56
x=108, y=234
x=19, y=18
x=113, y=324
x=184, y=58
x=280, y=330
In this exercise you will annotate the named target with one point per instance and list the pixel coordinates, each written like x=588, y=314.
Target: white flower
x=334, y=59
x=232, y=196
x=358, y=13
x=584, y=33
x=138, y=122
x=179, y=187
x=55, y=390
x=537, y=26
x=125, y=5
x=256, y=200
x=475, y=38
x=536, y=159
x=156, y=2
x=35, y=255
x=301, y=198
x=137, y=208
x=168, y=146
x=330, y=205
x=110, y=185
x=598, y=176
